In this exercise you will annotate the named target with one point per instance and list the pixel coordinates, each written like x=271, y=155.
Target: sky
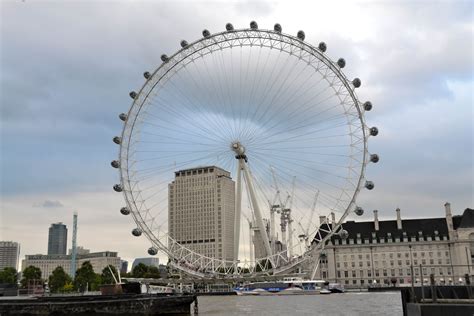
x=67, y=68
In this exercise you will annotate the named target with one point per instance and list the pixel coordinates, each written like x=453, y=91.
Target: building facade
x=9, y=254
x=148, y=261
x=47, y=263
x=57, y=239
x=401, y=251
x=201, y=208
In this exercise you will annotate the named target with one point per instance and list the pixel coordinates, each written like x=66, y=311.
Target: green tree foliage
x=153, y=272
x=68, y=287
x=58, y=279
x=143, y=271
x=106, y=277
x=9, y=275
x=30, y=273
x=86, y=278
x=139, y=270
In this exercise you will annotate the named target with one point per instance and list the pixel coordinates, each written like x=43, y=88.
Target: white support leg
x=290, y=236
x=272, y=228
x=256, y=209
x=238, y=210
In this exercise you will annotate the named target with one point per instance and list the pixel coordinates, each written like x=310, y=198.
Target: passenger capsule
x=322, y=47
x=133, y=94
x=229, y=27
x=301, y=35
x=206, y=33
x=277, y=28
x=323, y=255
x=253, y=25
x=369, y=185
x=374, y=158
x=359, y=211
x=123, y=116
x=374, y=131
x=117, y=140
x=341, y=63
x=152, y=251
x=136, y=232
x=368, y=106
x=125, y=211
x=184, y=44
x=356, y=82
x=164, y=58
x=343, y=234
x=115, y=163
x=147, y=75
x=118, y=188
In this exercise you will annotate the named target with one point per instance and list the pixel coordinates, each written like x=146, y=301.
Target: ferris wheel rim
x=228, y=36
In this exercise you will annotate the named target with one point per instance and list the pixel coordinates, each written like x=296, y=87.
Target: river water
x=365, y=303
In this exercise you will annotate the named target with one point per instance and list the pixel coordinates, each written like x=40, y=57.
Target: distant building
x=163, y=269
x=80, y=251
x=201, y=207
x=149, y=261
x=47, y=263
x=57, y=239
x=9, y=254
x=123, y=266
x=381, y=252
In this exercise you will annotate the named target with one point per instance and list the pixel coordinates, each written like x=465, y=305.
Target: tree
x=30, y=273
x=86, y=278
x=139, y=270
x=9, y=275
x=106, y=277
x=58, y=279
x=153, y=272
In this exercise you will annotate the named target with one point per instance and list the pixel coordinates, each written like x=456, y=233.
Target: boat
x=287, y=286
x=336, y=288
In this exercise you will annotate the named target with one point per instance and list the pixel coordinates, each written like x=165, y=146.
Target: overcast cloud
x=67, y=68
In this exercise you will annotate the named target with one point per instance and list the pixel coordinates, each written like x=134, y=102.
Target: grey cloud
x=49, y=204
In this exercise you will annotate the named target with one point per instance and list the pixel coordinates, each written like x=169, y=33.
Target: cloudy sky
x=67, y=68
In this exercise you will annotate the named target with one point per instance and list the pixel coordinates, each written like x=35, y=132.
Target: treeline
x=85, y=278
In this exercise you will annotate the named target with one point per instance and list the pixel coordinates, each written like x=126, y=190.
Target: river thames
x=387, y=304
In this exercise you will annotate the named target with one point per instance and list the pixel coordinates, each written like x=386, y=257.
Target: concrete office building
x=9, y=254
x=201, y=207
x=402, y=251
x=57, y=239
x=47, y=263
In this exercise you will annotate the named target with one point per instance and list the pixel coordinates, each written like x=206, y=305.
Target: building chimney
x=322, y=219
x=376, y=220
x=399, y=219
x=333, y=218
x=449, y=220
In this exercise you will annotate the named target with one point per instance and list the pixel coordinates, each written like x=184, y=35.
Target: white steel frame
x=183, y=258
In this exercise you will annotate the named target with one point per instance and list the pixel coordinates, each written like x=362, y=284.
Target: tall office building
x=201, y=207
x=57, y=240
x=9, y=254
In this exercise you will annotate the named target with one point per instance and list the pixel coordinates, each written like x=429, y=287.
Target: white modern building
x=401, y=251
x=47, y=263
x=201, y=207
x=9, y=254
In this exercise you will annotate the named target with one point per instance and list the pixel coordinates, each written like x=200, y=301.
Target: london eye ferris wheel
x=243, y=152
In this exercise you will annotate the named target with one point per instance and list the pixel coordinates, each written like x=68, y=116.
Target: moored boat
x=288, y=286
